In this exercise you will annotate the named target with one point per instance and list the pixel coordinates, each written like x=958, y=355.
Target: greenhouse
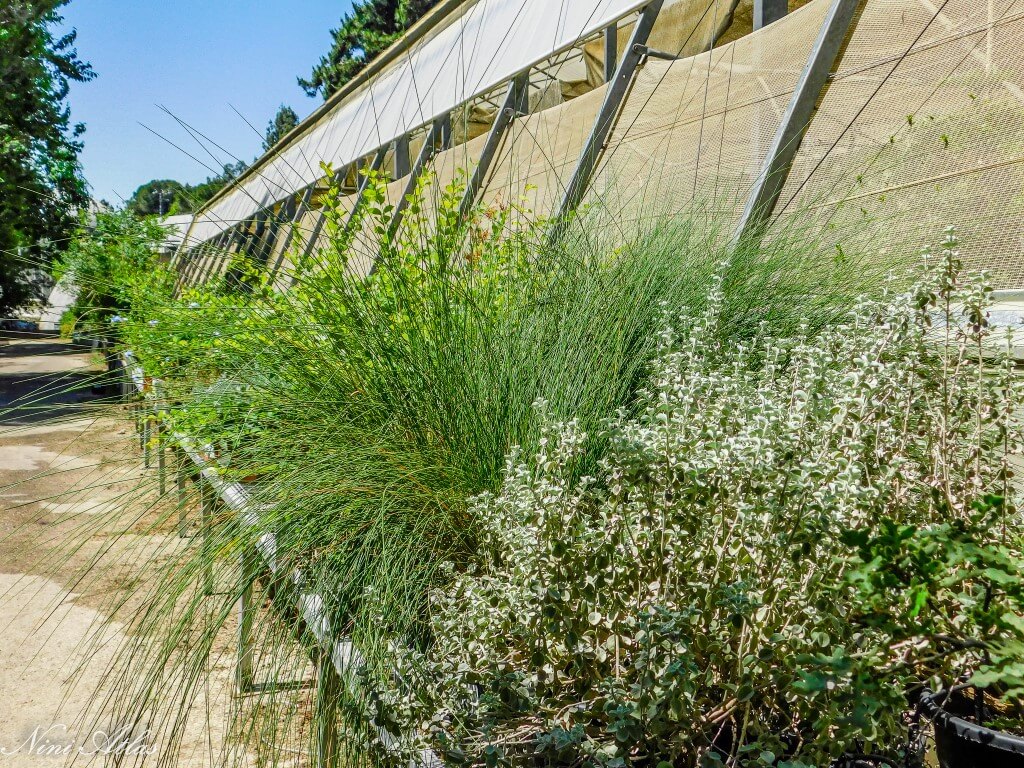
x=593, y=384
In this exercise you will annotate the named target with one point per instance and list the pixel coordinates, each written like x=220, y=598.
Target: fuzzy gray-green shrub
x=708, y=594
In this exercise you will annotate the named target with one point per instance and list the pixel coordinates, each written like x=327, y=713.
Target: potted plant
x=962, y=740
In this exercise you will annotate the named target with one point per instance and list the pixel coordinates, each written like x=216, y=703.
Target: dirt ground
x=66, y=455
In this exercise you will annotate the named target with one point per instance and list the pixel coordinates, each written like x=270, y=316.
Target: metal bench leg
x=326, y=705
x=244, y=665
x=207, y=500
x=161, y=462
x=182, y=481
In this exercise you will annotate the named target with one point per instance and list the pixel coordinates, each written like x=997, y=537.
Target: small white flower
x=117, y=319
x=152, y=323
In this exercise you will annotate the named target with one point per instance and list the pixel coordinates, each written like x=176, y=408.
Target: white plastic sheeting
x=484, y=46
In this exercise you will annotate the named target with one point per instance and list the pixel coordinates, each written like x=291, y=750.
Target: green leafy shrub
x=788, y=536
x=112, y=265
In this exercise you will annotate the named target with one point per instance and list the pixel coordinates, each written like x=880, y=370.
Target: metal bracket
x=778, y=162
x=606, y=117
x=654, y=53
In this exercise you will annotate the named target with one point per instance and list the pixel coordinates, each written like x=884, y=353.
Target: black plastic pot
x=963, y=744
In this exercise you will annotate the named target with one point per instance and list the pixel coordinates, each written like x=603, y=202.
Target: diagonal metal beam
x=231, y=238
x=516, y=104
x=296, y=220
x=441, y=128
x=764, y=195
x=376, y=164
x=617, y=89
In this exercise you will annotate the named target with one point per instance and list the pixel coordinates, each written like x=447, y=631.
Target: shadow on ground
x=47, y=380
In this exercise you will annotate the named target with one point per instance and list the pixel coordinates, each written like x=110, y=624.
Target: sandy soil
x=65, y=456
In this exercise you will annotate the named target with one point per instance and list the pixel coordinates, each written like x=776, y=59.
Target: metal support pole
x=234, y=243
x=188, y=264
x=764, y=195
x=244, y=663
x=515, y=105
x=611, y=51
x=254, y=242
x=767, y=11
x=211, y=248
x=375, y=165
x=400, y=164
x=146, y=434
x=446, y=132
x=194, y=263
x=197, y=269
x=273, y=226
x=606, y=117
x=435, y=137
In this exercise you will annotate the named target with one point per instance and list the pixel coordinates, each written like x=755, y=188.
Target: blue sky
x=197, y=58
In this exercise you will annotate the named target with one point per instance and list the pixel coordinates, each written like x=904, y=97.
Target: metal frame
x=437, y=140
x=375, y=165
x=400, y=166
x=255, y=239
x=516, y=104
x=273, y=225
x=300, y=211
x=618, y=88
x=767, y=11
x=764, y=195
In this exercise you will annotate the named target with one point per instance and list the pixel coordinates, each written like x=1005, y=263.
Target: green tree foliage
x=278, y=128
x=41, y=183
x=162, y=197
x=364, y=33
x=110, y=261
x=159, y=198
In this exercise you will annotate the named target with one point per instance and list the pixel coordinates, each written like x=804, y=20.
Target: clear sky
x=198, y=58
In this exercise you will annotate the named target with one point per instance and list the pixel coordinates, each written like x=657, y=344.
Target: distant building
x=177, y=227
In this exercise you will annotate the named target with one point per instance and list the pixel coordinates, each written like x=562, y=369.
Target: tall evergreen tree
x=41, y=184
x=364, y=33
x=283, y=122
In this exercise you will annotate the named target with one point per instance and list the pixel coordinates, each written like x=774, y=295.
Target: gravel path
x=63, y=457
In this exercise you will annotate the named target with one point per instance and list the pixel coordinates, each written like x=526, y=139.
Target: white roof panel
x=482, y=47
